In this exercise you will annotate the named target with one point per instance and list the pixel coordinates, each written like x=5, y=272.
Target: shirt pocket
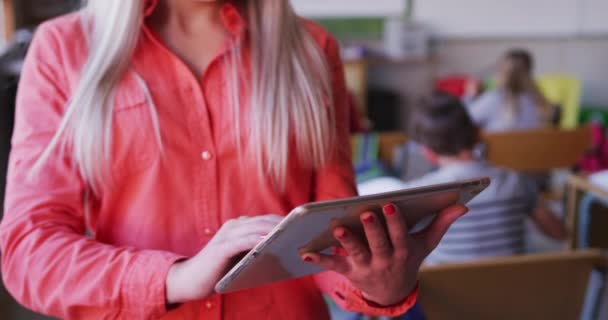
x=134, y=143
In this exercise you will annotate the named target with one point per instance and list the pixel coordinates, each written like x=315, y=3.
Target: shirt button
x=207, y=231
x=209, y=305
x=206, y=155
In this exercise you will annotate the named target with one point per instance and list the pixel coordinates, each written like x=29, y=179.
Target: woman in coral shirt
x=170, y=130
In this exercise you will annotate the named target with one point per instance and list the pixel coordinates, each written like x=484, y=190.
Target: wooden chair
x=8, y=14
x=527, y=151
x=524, y=287
x=537, y=150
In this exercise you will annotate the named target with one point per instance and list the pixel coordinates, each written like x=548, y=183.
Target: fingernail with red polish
x=369, y=219
x=389, y=209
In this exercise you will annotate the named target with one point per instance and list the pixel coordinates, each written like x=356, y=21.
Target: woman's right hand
x=195, y=278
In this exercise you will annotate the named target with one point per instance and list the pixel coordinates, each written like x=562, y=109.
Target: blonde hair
x=290, y=85
x=517, y=79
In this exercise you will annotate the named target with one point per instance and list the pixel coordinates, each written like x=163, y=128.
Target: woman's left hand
x=385, y=267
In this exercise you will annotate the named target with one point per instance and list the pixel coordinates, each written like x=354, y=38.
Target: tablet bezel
x=467, y=190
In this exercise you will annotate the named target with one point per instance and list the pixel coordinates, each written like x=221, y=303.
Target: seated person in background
x=495, y=224
x=516, y=103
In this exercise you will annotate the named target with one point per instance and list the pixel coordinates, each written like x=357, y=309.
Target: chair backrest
x=537, y=150
x=524, y=287
x=528, y=151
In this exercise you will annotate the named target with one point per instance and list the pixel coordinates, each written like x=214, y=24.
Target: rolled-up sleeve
x=48, y=264
x=337, y=180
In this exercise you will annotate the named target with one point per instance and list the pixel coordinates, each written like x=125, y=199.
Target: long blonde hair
x=289, y=88
x=517, y=79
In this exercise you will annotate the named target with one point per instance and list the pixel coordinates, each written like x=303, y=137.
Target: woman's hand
x=196, y=277
x=385, y=267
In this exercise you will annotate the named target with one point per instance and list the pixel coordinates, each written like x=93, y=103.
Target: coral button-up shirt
x=160, y=209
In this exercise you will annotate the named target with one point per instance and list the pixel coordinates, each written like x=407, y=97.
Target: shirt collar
x=149, y=7
x=231, y=17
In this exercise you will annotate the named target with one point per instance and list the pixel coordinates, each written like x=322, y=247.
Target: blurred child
x=516, y=103
x=495, y=224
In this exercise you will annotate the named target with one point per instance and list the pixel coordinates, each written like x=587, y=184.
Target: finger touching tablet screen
x=308, y=228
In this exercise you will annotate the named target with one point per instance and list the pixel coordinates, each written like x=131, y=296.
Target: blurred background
x=396, y=51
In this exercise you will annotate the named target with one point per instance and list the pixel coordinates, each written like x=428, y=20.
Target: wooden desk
x=577, y=186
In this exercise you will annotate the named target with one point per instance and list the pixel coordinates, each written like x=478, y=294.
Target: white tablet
x=307, y=229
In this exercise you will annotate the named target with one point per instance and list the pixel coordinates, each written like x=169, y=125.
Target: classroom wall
x=566, y=36
x=584, y=57
x=514, y=18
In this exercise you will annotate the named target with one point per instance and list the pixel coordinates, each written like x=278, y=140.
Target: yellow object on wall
x=565, y=91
